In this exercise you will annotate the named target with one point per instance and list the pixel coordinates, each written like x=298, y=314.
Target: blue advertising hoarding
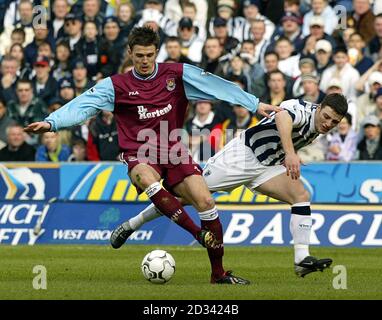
x=108, y=181
x=35, y=222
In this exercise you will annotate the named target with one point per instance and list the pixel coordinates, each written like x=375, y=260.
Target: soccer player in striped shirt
x=264, y=159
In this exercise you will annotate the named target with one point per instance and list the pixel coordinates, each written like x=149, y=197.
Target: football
x=158, y=266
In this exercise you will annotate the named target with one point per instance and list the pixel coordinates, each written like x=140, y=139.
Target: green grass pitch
x=100, y=272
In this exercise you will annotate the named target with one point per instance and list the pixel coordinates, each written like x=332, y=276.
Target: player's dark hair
x=337, y=102
x=143, y=36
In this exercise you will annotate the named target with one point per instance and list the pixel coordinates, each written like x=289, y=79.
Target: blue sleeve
x=88, y=104
x=199, y=84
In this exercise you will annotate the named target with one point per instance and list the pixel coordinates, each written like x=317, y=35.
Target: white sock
x=146, y=215
x=300, y=226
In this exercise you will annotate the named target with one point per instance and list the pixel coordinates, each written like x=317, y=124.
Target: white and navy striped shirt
x=264, y=138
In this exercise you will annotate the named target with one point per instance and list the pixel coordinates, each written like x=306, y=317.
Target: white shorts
x=236, y=165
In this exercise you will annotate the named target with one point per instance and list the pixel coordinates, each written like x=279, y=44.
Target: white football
x=158, y=266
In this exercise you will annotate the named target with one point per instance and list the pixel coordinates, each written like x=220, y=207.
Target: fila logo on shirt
x=133, y=93
x=144, y=114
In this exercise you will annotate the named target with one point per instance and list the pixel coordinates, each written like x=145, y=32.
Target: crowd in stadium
x=276, y=50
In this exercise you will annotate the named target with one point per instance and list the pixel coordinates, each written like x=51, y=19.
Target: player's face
x=143, y=58
x=326, y=119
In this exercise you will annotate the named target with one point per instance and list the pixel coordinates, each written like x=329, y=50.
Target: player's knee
x=302, y=196
x=205, y=204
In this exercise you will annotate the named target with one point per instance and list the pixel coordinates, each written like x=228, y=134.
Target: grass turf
x=99, y=272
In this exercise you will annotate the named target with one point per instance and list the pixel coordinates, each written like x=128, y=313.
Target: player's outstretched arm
x=38, y=127
x=284, y=124
x=199, y=84
x=88, y=104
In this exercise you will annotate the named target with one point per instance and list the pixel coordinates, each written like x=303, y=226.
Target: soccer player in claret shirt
x=149, y=103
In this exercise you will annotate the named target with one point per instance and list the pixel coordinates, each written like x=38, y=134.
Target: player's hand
x=38, y=127
x=265, y=109
x=292, y=164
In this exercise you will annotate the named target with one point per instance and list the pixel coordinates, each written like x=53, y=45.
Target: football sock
x=300, y=226
x=172, y=208
x=210, y=221
x=147, y=214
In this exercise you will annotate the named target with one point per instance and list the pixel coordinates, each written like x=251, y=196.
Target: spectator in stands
x=92, y=12
x=213, y=52
x=66, y=90
x=25, y=10
x=251, y=11
x=236, y=68
x=370, y=147
x=378, y=110
x=126, y=18
x=259, y=86
x=54, y=104
x=375, y=44
x=45, y=50
x=317, y=33
x=41, y=34
x=199, y=128
x=172, y=49
x=237, y=27
x=111, y=49
x=24, y=71
x=87, y=48
x=261, y=44
x=312, y=92
x=5, y=121
x=366, y=102
x=197, y=10
x=343, y=71
x=229, y=43
x=155, y=8
x=78, y=151
x=192, y=10
x=62, y=66
x=288, y=63
x=60, y=10
x=290, y=29
x=343, y=143
x=18, y=36
x=9, y=67
x=16, y=149
x=277, y=89
x=292, y=6
x=355, y=51
x=247, y=54
x=322, y=55
x=80, y=77
x=27, y=108
x=153, y=19
x=362, y=19
x=51, y=148
x=306, y=66
x=44, y=85
x=191, y=44
x=73, y=30
x=321, y=9
x=103, y=138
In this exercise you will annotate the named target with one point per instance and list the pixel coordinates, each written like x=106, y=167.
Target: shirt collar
x=151, y=76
